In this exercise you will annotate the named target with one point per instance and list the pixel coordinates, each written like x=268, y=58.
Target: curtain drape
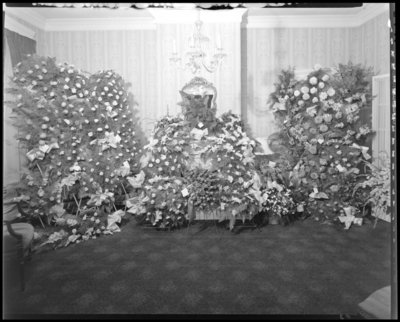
x=20, y=46
x=15, y=48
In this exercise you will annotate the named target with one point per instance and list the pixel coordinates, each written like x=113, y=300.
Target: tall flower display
x=78, y=129
x=320, y=129
x=198, y=160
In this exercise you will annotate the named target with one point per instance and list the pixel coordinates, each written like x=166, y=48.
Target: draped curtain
x=20, y=46
x=15, y=48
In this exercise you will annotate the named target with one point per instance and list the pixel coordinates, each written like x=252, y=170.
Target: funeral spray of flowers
x=80, y=134
x=375, y=186
x=321, y=132
x=200, y=158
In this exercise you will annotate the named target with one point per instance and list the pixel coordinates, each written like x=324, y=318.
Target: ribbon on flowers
x=110, y=112
x=136, y=205
x=349, y=218
x=281, y=106
x=153, y=142
x=35, y=153
x=137, y=180
x=364, y=150
x=124, y=169
x=110, y=140
x=112, y=221
x=312, y=111
x=51, y=146
x=97, y=199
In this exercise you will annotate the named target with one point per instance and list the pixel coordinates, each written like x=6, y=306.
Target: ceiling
x=87, y=13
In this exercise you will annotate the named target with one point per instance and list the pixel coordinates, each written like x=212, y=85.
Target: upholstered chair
x=17, y=236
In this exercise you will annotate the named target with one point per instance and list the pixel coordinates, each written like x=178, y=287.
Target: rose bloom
x=321, y=85
x=339, y=152
x=317, y=67
x=306, y=97
x=323, y=128
x=331, y=92
x=313, y=80
x=314, y=176
x=323, y=96
x=305, y=89
x=327, y=118
x=323, y=161
x=296, y=93
x=301, y=103
x=304, y=138
x=313, y=131
x=322, y=169
x=318, y=119
x=322, y=176
x=313, y=149
x=334, y=188
x=306, y=125
x=325, y=78
x=312, y=163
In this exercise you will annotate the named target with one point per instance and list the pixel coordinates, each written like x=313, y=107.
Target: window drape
x=20, y=46
x=15, y=48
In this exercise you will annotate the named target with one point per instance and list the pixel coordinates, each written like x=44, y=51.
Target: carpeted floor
x=304, y=268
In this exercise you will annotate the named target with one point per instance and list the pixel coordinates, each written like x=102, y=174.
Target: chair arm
x=11, y=231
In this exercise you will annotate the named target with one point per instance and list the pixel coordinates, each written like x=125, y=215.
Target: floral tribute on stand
x=197, y=159
x=79, y=131
x=321, y=132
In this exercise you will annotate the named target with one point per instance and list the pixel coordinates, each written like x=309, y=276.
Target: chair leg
x=21, y=271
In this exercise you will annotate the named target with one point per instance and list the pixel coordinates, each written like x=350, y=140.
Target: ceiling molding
x=372, y=11
x=316, y=21
x=299, y=22
x=19, y=28
x=27, y=15
x=169, y=16
x=139, y=23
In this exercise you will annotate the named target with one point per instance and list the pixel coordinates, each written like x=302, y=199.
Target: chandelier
x=195, y=57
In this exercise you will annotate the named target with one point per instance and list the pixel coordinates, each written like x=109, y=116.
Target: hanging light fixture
x=195, y=57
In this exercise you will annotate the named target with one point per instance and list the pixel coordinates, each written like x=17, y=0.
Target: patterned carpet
x=304, y=268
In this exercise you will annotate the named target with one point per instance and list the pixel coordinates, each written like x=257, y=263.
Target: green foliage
x=79, y=131
x=320, y=135
x=377, y=185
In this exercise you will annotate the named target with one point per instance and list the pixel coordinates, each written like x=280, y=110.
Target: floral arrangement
x=71, y=229
x=193, y=156
x=79, y=130
x=278, y=200
x=320, y=129
x=375, y=187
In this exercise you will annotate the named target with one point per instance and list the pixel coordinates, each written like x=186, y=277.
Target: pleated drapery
x=20, y=46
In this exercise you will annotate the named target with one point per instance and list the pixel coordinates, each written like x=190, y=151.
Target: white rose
x=296, y=93
x=315, y=100
x=158, y=161
x=331, y=92
x=321, y=85
x=301, y=103
x=305, y=89
x=323, y=96
x=317, y=67
x=313, y=90
x=313, y=80
x=306, y=97
x=325, y=78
